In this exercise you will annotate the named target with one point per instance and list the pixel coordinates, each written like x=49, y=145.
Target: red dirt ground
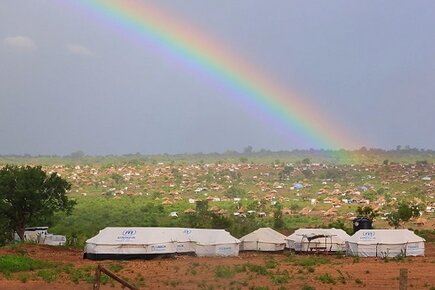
x=185, y=272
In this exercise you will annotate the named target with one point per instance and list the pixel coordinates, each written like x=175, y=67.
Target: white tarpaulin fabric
x=263, y=239
x=40, y=235
x=143, y=241
x=385, y=243
x=330, y=240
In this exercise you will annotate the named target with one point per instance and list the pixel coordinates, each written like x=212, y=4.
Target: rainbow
x=210, y=61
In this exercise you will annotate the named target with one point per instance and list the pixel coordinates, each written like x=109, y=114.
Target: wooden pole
x=111, y=275
x=403, y=279
x=97, y=278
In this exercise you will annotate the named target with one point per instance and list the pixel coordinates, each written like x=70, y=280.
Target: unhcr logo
x=129, y=233
x=369, y=235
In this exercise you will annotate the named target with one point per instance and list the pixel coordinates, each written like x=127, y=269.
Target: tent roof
x=153, y=235
x=299, y=234
x=400, y=236
x=264, y=235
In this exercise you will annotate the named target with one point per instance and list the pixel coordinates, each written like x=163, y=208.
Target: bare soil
x=186, y=272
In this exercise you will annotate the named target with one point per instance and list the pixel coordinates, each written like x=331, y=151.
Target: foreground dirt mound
x=248, y=271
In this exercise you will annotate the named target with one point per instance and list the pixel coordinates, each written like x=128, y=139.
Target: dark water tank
x=361, y=223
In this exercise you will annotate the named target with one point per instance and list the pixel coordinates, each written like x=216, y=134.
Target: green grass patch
x=21, y=263
x=48, y=275
x=261, y=270
x=23, y=277
x=115, y=267
x=326, y=279
x=85, y=274
x=280, y=278
x=224, y=272
x=271, y=264
x=312, y=261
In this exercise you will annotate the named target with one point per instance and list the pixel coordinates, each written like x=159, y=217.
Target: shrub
x=48, y=275
x=279, y=279
x=271, y=264
x=223, y=272
x=257, y=269
x=310, y=269
x=326, y=279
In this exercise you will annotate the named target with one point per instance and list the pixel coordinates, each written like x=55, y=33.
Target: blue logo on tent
x=369, y=235
x=129, y=233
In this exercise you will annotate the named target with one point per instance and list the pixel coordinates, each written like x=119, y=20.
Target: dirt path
x=184, y=272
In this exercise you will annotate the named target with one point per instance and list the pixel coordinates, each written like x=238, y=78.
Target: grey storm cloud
x=75, y=78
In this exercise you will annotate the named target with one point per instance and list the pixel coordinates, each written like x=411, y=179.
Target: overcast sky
x=69, y=82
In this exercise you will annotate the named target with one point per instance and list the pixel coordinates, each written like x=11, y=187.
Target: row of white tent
x=134, y=242
x=114, y=242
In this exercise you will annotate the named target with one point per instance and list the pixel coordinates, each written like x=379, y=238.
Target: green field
x=137, y=190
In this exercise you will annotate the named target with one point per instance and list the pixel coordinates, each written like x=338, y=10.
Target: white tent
x=263, y=239
x=54, y=240
x=40, y=235
x=215, y=243
x=138, y=242
x=328, y=240
x=385, y=243
x=206, y=242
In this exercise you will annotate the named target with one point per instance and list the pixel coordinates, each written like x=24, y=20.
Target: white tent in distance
x=263, y=239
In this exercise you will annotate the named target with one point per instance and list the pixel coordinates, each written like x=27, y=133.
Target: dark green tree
x=278, y=221
x=117, y=178
x=77, y=154
x=202, y=207
x=286, y=172
x=235, y=191
x=248, y=150
x=404, y=213
x=29, y=195
x=306, y=161
x=367, y=212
